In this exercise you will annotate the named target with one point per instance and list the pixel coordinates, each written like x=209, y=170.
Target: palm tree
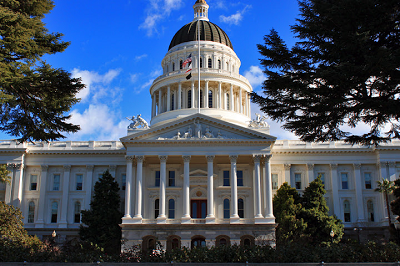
x=386, y=187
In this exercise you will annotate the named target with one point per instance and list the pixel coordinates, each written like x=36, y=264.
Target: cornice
x=78, y=152
x=321, y=151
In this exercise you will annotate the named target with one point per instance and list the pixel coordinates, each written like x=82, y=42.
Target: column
x=219, y=102
x=163, y=176
x=159, y=101
x=269, y=213
x=210, y=189
x=153, y=106
x=139, y=175
x=231, y=103
x=88, y=184
x=128, y=187
x=246, y=104
x=186, y=190
x=335, y=193
x=257, y=186
x=234, y=196
x=240, y=101
x=358, y=188
x=168, y=98
x=287, y=173
x=64, y=200
x=382, y=166
x=206, y=95
x=193, y=94
x=179, y=96
x=8, y=196
x=18, y=184
x=310, y=173
x=42, y=198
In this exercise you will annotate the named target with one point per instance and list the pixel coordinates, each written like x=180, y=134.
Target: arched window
x=189, y=99
x=227, y=211
x=210, y=99
x=247, y=241
x=172, y=102
x=209, y=63
x=54, y=211
x=77, y=212
x=227, y=66
x=156, y=208
x=227, y=101
x=175, y=243
x=198, y=241
x=148, y=244
x=31, y=212
x=201, y=62
x=219, y=64
x=370, y=210
x=171, y=209
x=346, y=209
x=241, y=208
x=180, y=64
x=167, y=68
x=173, y=66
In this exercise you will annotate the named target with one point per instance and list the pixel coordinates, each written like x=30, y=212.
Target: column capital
x=186, y=158
x=357, y=166
x=163, y=158
x=139, y=158
x=89, y=167
x=233, y=158
x=333, y=166
x=67, y=168
x=310, y=166
x=129, y=158
x=392, y=164
x=10, y=166
x=287, y=166
x=20, y=166
x=210, y=158
x=267, y=157
x=44, y=167
x=257, y=158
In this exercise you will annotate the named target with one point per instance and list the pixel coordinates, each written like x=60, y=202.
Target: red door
x=198, y=208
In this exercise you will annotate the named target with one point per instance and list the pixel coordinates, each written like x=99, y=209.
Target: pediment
x=197, y=127
x=198, y=173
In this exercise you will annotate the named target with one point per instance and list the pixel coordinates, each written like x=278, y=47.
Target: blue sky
x=117, y=47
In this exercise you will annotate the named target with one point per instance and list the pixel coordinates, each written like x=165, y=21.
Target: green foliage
x=100, y=224
x=386, y=187
x=305, y=219
x=34, y=97
x=343, y=70
x=4, y=178
x=395, y=204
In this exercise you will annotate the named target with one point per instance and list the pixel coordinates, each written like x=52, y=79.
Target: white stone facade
x=197, y=176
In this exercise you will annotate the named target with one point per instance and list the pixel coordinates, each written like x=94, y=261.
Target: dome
x=208, y=32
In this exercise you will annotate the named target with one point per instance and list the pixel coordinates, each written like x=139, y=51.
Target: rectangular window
x=123, y=183
x=239, y=175
x=54, y=212
x=56, y=182
x=345, y=181
x=368, y=180
x=157, y=179
x=297, y=180
x=171, y=179
x=274, y=181
x=226, y=209
x=171, y=209
x=33, y=182
x=226, y=179
x=79, y=180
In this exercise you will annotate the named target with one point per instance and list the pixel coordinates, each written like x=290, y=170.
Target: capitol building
x=201, y=172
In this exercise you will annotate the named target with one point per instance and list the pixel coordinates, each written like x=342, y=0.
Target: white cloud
x=234, y=19
x=255, y=76
x=134, y=77
x=147, y=84
x=158, y=11
x=140, y=57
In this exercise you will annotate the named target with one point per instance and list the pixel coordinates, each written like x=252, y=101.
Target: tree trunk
x=388, y=209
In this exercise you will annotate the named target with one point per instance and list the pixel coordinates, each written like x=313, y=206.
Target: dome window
x=180, y=64
x=210, y=99
x=219, y=64
x=201, y=62
x=173, y=66
x=209, y=63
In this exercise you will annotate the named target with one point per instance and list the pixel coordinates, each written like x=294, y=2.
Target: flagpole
x=198, y=33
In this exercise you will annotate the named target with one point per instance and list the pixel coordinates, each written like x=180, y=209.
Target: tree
x=395, y=204
x=34, y=97
x=344, y=70
x=4, y=178
x=386, y=187
x=100, y=224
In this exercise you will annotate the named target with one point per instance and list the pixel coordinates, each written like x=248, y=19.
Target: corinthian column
x=139, y=174
x=234, y=196
x=210, y=189
x=163, y=176
x=128, y=187
x=269, y=213
x=257, y=186
x=186, y=188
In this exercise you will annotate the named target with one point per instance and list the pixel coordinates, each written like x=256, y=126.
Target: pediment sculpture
x=137, y=122
x=259, y=122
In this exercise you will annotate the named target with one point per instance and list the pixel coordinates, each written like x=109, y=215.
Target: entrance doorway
x=198, y=209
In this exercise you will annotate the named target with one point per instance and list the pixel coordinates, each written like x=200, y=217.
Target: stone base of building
x=170, y=236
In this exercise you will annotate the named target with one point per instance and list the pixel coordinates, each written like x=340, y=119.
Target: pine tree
x=344, y=70
x=100, y=224
x=395, y=204
x=34, y=97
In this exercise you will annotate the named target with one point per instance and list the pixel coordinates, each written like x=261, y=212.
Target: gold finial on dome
x=200, y=10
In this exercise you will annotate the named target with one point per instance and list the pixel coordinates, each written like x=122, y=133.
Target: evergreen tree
x=395, y=204
x=100, y=224
x=34, y=97
x=344, y=70
x=4, y=178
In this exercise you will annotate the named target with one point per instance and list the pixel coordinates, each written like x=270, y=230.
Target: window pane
x=54, y=212
x=345, y=184
x=210, y=99
x=33, y=182
x=156, y=208
x=157, y=184
x=226, y=209
x=241, y=208
x=189, y=101
x=171, y=179
x=368, y=182
x=79, y=179
x=56, y=182
x=123, y=186
x=31, y=212
x=77, y=217
x=226, y=178
x=239, y=178
x=370, y=209
x=203, y=210
x=297, y=178
x=346, y=207
x=274, y=181
x=209, y=63
x=171, y=209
